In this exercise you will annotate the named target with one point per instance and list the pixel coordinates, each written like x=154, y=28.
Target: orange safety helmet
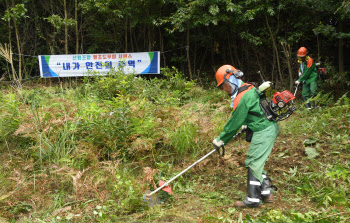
x=302, y=52
x=224, y=73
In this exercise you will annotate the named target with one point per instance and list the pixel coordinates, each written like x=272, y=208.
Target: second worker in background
x=307, y=77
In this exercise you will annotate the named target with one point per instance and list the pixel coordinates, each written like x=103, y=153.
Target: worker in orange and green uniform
x=264, y=135
x=307, y=75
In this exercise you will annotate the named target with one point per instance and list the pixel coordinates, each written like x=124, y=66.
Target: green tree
x=16, y=13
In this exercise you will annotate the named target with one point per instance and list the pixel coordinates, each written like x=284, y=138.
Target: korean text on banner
x=74, y=65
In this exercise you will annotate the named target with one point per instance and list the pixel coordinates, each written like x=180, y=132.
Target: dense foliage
x=84, y=152
x=260, y=37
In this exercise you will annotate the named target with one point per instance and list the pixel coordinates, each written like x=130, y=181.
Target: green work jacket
x=249, y=101
x=309, y=73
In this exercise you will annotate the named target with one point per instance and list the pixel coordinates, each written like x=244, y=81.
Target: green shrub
x=171, y=90
x=112, y=85
x=106, y=129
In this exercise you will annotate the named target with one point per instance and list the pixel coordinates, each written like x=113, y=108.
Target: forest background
x=261, y=38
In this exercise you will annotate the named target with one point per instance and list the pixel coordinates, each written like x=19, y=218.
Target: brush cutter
x=296, y=89
x=151, y=196
x=295, y=92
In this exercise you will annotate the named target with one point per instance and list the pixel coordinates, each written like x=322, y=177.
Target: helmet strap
x=234, y=88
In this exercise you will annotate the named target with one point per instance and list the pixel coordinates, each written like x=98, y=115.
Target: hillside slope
x=87, y=152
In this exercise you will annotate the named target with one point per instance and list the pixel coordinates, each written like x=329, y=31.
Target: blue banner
x=74, y=65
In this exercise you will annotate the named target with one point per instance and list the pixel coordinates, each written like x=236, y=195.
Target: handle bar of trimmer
x=296, y=89
x=222, y=153
x=167, y=183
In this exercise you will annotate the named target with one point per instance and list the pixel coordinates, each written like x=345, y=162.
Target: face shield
x=235, y=83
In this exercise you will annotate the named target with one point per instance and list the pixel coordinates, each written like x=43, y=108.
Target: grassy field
x=87, y=150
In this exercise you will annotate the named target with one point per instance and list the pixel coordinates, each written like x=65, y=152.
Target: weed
x=182, y=139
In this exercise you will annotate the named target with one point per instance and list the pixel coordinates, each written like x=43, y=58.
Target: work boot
x=269, y=199
x=240, y=204
x=266, y=193
x=313, y=104
x=254, y=192
x=308, y=106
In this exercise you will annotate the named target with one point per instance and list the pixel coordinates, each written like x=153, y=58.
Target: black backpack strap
x=256, y=114
x=243, y=88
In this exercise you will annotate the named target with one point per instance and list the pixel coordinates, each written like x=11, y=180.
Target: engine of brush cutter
x=281, y=99
x=280, y=107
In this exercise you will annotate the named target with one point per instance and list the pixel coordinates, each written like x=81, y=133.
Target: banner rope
x=175, y=49
x=26, y=55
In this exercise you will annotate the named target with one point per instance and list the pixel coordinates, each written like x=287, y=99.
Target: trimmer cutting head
x=152, y=198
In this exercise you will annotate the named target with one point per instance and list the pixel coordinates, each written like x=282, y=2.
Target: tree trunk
x=52, y=43
x=65, y=27
x=261, y=69
x=149, y=39
x=136, y=43
x=287, y=52
x=76, y=28
x=203, y=58
x=195, y=58
x=18, y=46
x=149, y=33
x=188, y=54
x=126, y=34
x=230, y=49
x=10, y=45
x=275, y=48
x=130, y=36
x=236, y=57
x=273, y=67
x=318, y=49
x=341, y=50
x=161, y=42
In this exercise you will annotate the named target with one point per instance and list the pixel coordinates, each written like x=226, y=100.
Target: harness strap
x=243, y=88
x=256, y=114
x=241, y=91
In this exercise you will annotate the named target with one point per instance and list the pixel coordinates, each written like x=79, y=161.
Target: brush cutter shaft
x=244, y=128
x=166, y=184
x=296, y=89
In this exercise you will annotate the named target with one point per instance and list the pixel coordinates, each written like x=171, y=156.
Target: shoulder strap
x=256, y=114
x=261, y=106
x=243, y=88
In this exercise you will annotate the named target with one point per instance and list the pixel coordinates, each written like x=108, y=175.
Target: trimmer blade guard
x=166, y=188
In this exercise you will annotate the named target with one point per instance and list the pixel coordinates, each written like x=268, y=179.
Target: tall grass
x=79, y=154
x=183, y=139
